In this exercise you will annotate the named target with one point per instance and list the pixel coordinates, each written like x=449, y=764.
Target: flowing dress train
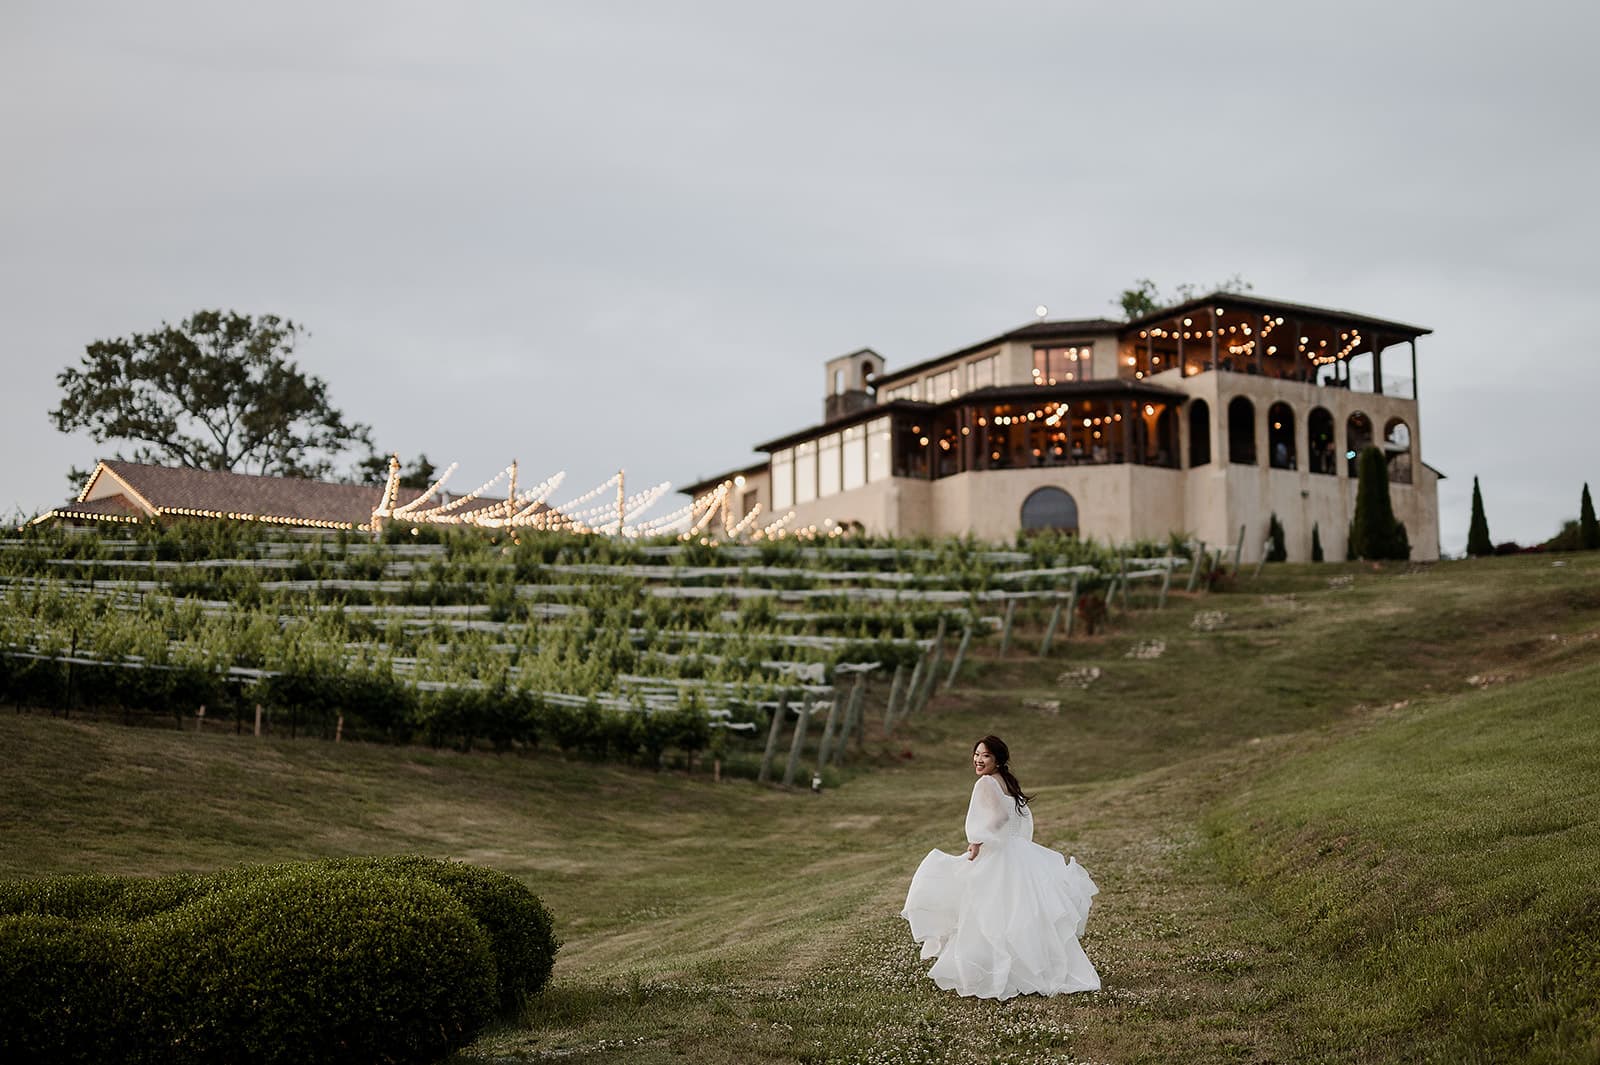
x=1006, y=923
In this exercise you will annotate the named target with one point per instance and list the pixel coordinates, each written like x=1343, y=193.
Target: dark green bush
x=361, y=959
x=62, y=991
x=314, y=965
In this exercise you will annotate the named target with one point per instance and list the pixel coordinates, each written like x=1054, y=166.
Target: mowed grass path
x=1353, y=823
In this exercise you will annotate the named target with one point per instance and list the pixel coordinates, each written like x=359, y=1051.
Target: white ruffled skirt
x=1005, y=924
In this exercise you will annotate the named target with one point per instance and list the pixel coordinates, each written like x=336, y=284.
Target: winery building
x=1204, y=418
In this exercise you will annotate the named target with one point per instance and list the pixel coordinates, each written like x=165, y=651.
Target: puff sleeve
x=986, y=816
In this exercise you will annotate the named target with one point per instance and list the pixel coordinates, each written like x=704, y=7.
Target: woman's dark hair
x=1002, y=768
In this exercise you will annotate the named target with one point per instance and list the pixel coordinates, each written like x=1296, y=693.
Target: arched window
x=1242, y=431
x=1319, y=433
x=1397, y=449
x=1281, y=451
x=1357, y=435
x=1050, y=508
x=1199, y=432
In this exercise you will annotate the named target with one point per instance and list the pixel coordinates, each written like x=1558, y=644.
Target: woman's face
x=982, y=761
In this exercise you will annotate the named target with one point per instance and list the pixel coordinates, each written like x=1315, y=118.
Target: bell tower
x=850, y=384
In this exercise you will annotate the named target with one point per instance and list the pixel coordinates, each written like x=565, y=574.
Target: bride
x=1004, y=918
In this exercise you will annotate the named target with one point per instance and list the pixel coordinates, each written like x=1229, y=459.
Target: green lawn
x=1352, y=823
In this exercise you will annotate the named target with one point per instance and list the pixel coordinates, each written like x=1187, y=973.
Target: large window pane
x=805, y=472
x=828, y=465
x=854, y=456
x=782, y=480
x=878, y=450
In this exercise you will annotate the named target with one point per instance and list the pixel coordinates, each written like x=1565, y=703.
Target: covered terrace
x=1238, y=333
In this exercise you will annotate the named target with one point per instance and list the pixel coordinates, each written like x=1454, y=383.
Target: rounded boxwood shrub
x=394, y=959
x=61, y=991
x=313, y=965
x=521, y=932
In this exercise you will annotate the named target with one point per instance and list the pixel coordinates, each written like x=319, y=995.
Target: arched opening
x=1319, y=435
x=1281, y=450
x=1397, y=449
x=1357, y=435
x=1199, y=432
x=838, y=382
x=1050, y=508
x=1167, y=437
x=1242, y=431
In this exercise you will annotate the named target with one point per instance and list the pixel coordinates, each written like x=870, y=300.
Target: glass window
x=782, y=480
x=1055, y=365
x=855, y=457
x=980, y=373
x=805, y=472
x=878, y=451
x=901, y=392
x=828, y=465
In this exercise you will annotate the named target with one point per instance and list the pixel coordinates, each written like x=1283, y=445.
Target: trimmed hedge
x=397, y=959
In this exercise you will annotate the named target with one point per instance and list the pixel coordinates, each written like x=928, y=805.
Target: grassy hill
x=1337, y=814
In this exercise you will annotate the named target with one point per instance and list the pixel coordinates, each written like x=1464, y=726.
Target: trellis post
x=1194, y=573
x=825, y=745
x=1072, y=607
x=772, y=739
x=1050, y=629
x=895, y=691
x=1238, y=549
x=798, y=743
x=1005, y=630
x=852, y=718
x=961, y=654
x=1166, y=583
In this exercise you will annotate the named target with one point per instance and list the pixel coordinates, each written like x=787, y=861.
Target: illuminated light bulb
x=1155, y=360
x=982, y=421
x=1188, y=322
x=924, y=441
x=1149, y=409
x=1087, y=422
x=1138, y=374
x=1218, y=312
x=1117, y=417
x=966, y=430
x=995, y=455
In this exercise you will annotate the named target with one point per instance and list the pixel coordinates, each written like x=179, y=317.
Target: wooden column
x=1377, y=368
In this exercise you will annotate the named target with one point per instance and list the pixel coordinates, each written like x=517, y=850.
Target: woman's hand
x=972, y=851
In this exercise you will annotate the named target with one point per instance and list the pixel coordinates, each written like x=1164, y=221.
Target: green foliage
x=1588, y=528
x=1478, y=542
x=1316, y=543
x=393, y=959
x=1374, y=532
x=219, y=391
x=1279, y=551
x=1144, y=298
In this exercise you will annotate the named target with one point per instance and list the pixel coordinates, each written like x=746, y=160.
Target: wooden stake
x=199, y=717
x=338, y=730
x=772, y=738
x=1005, y=630
x=1194, y=573
x=1122, y=569
x=825, y=746
x=1072, y=608
x=1238, y=548
x=258, y=719
x=797, y=744
x=1166, y=582
x=852, y=719
x=961, y=654
x=1050, y=629
x=895, y=689
x=913, y=688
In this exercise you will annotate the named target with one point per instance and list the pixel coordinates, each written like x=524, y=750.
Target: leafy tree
x=1478, y=542
x=1587, y=527
x=1316, y=543
x=1279, y=552
x=1144, y=298
x=374, y=469
x=1374, y=532
x=219, y=391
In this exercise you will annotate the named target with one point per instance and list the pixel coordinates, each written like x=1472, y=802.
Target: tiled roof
x=180, y=490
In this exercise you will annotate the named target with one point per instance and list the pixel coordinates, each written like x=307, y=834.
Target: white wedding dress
x=1006, y=923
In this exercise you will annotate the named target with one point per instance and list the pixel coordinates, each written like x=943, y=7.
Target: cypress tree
x=1588, y=529
x=1373, y=531
x=1278, y=552
x=1316, y=543
x=1478, y=542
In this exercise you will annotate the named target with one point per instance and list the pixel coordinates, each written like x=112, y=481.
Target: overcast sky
x=591, y=235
